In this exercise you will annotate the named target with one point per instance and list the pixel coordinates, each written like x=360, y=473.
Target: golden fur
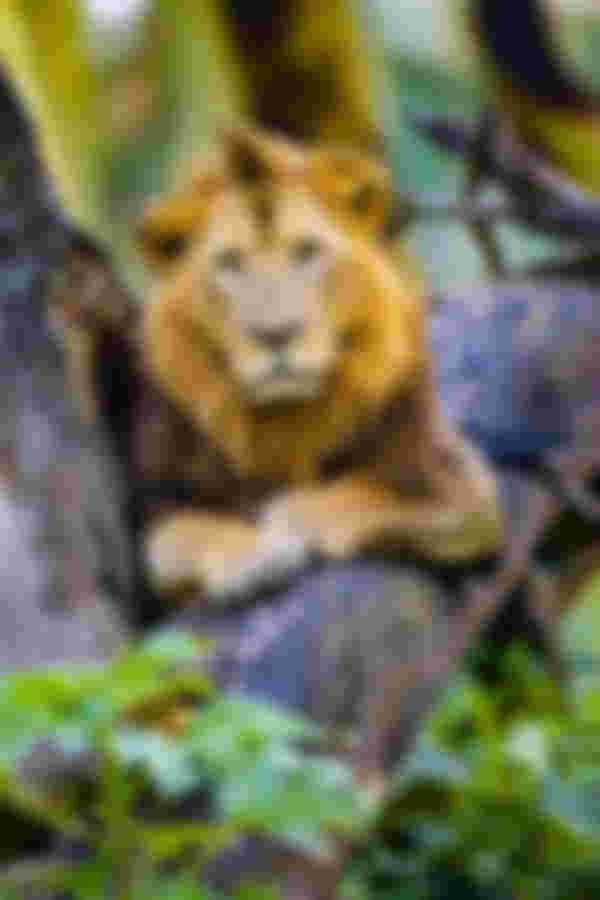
x=282, y=328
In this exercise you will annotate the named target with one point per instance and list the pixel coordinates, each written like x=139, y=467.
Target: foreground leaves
x=142, y=736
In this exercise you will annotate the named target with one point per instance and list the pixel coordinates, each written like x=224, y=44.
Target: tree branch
x=538, y=196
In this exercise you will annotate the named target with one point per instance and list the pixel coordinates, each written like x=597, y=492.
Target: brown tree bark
x=63, y=566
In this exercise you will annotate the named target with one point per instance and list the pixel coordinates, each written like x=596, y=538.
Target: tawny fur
x=362, y=334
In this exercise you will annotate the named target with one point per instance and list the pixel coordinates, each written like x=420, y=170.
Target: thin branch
x=540, y=197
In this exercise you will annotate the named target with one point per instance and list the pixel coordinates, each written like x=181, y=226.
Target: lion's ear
x=255, y=157
x=355, y=187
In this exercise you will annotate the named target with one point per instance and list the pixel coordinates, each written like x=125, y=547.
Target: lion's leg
x=466, y=485
x=359, y=510
x=222, y=555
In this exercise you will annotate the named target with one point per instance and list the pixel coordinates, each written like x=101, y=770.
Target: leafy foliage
x=501, y=798
x=152, y=732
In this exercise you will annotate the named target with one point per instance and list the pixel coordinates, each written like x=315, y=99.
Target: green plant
x=501, y=798
x=155, y=731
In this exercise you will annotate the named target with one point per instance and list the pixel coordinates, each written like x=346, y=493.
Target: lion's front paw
x=228, y=561
x=325, y=530
x=168, y=563
x=275, y=558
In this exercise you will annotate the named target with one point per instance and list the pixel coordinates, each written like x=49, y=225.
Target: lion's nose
x=277, y=338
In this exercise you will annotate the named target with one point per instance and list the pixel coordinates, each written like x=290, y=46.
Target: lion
x=280, y=327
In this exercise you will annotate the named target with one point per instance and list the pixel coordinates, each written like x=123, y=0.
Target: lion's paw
x=276, y=559
x=228, y=562
x=306, y=513
x=167, y=564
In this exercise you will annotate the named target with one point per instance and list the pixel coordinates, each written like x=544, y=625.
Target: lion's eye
x=363, y=198
x=305, y=250
x=170, y=247
x=352, y=337
x=231, y=260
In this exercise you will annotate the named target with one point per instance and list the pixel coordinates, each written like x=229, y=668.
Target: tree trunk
x=62, y=584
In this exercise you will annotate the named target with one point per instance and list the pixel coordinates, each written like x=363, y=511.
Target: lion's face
x=261, y=276
x=261, y=256
x=279, y=316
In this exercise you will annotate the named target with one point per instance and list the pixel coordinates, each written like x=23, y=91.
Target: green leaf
x=230, y=733
x=428, y=762
x=166, y=762
x=164, y=842
x=172, y=646
x=575, y=803
x=528, y=743
x=21, y=797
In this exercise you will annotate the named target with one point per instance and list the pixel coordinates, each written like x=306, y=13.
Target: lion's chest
x=293, y=448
